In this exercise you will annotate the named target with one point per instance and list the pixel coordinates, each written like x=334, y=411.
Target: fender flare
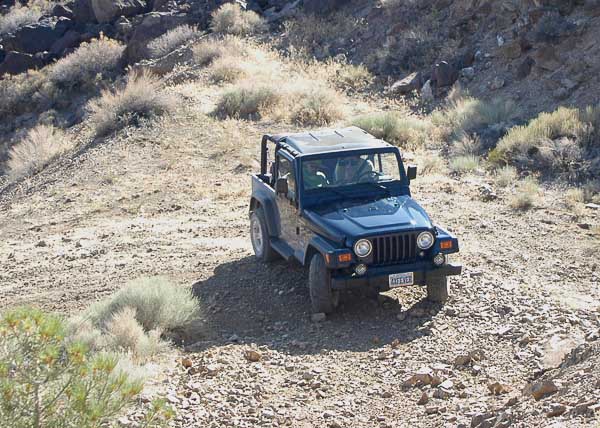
x=316, y=245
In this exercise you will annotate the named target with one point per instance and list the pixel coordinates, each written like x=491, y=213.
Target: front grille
x=395, y=249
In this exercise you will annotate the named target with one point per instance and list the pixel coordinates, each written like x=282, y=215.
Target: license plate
x=401, y=279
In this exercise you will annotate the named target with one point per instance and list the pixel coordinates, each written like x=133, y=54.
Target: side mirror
x=411, y=172
x=281, y=186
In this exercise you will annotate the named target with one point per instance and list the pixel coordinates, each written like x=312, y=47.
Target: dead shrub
x=171, y=40
x=467, y=145
x=397, y=128
x=231, y=19
x=140, y=99
x=41, y=145
x=18, y=16
x=226, y=70
x=431, y=163
x=526, y=194
x=505, y=176
x=208, y=50
x=92, y=62
x=18, y=92
x=464, y=164
x=248, y=102
x=354, y=77
x=317, y=107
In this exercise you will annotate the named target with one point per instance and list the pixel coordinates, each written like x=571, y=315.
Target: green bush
x=317, y=107
x=48, y=381
x=405, y=131
x=157, y=303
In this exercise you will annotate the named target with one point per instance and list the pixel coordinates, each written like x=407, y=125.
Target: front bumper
x=378, y=277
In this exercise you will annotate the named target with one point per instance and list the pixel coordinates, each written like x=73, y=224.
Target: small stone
x=467, y=73
x=252, y=356
x=432, y=410
x=318, y=317
x=462, y=360
x=512, y=401
x=187, y=363
x=424, y=399
x=447, y=384
x=556, y=409
x=401, y=316
x=173, y=399
x=41, y=244
x=267, y=413
x=497, y=83
x=427, y=92
x=592, y=206
x=124, y=420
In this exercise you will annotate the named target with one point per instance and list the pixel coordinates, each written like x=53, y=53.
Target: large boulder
x=110, y=10
x=408, y=84
x=83, y=12
x=62, y=10
x=71, y=39
x=318, y=7
x=38, y=37
x=17, y=62
x=444, y=74
x=151, y=26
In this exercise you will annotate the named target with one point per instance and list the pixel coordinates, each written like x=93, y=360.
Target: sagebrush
x=171, y=40
x=397, y=128
x=231, y=19
x=141, y=98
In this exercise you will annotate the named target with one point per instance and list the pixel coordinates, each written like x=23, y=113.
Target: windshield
x=347, y=170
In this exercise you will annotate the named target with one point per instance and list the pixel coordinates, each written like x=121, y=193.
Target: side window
x=286, y=170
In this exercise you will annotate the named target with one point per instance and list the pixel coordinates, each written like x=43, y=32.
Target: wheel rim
x=256, y=235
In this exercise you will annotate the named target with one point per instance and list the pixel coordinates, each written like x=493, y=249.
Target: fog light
x=439, y=259
x=360, y=269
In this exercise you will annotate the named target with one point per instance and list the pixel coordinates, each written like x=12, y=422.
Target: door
x=287, y=203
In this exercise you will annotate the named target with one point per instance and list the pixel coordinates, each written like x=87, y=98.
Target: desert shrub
x=19, y=16
x=431, y=163
x=171, y=40
x=90, y=63
x=575, y=195
x=505, y=176
x=317, y=107
x=466, y=145
x=464, y=164
x=226, y=69
x=355, y=77
x=49, y=381
x=563, y=142
x=208, y=50
x=40, y=146
x=231, y=19
x=141, y=98
x=248, y=102
x=403, y=130
x=158, y=305
x=525, y=195
x=468, y=115
x=126, y=334
x=17, y=92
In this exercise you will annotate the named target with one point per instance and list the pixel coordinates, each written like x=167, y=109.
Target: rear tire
x=438, y=290
x=322, y=298
x=259, y=236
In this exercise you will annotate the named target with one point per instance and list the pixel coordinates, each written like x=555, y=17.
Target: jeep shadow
x=247, y=301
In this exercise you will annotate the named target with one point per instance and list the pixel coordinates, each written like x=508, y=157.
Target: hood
x=352, y=219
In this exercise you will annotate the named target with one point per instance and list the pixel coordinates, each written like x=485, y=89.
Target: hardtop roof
x=331, y=140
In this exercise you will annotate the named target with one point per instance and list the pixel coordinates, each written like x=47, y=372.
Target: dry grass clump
x=89, y=64
x=171, y=40
x=17, y=93
x=354, y=77
x=505, y=176
x=464, y=164
x=526, y=194
x=248, y=102
x=467, y=115
x=466, y=145
x=18, y=16
x=317, y=107
x=41, y=145
x=396, y=128
x=231, y=19
x=140, y=99
x=226, y=70
x=209, y=50
x=431, y=163
x=158, y=304
x=563, y=142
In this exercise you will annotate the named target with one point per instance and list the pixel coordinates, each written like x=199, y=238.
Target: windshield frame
x=395, y=187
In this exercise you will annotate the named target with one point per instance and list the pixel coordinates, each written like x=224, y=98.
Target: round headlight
x=439, y=259
x=425, y=240
x=363, y=247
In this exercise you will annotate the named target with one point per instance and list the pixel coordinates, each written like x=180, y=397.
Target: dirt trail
x=172, y=200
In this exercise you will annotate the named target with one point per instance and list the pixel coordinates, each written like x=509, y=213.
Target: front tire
x=322, y=298
x=259, y=236
x=438, y=290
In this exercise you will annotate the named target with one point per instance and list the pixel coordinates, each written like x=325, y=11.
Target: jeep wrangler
x=339, y=201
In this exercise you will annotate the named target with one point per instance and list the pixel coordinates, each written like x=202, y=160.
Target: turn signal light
x=445, y=245
x=345, y=258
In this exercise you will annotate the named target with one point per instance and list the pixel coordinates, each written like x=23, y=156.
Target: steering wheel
x=370, y=174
